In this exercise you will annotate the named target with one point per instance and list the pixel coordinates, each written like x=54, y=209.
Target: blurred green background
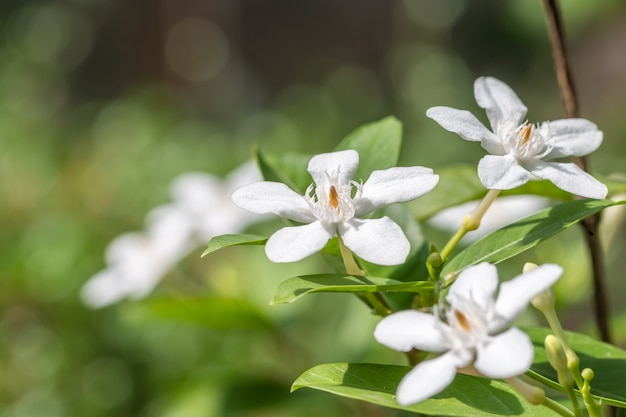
x=104, y=102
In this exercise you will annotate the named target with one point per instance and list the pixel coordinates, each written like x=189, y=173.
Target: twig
x=568, y=95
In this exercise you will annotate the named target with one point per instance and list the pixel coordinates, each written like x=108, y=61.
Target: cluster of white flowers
x=200, y=209
x=470, y=328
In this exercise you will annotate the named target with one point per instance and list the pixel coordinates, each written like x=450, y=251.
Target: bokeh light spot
x=196, y=49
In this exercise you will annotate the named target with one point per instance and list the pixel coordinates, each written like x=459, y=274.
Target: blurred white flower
x=472, y=333
x=331, y=205
x=502, y=212
x=201, y=208
x=521, y=150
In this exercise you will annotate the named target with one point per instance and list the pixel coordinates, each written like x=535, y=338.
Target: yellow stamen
x=462, y=320
x=333, y=197
x=525, y=133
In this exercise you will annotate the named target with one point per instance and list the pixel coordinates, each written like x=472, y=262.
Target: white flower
x=331, y=206
x=205, y=200
x=473, y=332
x=520, y=150
x=201, y=209
x=136, y=262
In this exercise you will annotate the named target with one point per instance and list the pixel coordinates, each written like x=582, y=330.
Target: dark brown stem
x=568, y=95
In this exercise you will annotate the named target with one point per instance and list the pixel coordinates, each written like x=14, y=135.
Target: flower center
x=527, y=141
x=462, y=320
x=333, y=201
x=333, y=198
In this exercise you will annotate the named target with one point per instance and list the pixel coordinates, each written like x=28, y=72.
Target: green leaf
x=219, y=242
x=213, y=312
x=525, y=233
x=467, y=396
x=296, y=287
x=607, y=361
x=290, y=169
x=378, y=145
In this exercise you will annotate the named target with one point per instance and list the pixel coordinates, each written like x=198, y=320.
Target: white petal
x=273, y=197
x=291, y=244
x=467, y=126
x=516, y=293
x=170, y=231
x=569, y=177
x=499, y=101
x=127, y=246
x=343, y=163
x=505, y=355
x=427, y=379
x=410, y=329
x=246, y=173
x=573, y=137
x=501, y=172
x=478, y=282
x=395, y=185
x=102, y=289
x=196, y=190
x=380, y=241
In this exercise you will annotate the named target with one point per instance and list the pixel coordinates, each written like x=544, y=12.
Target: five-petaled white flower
x=471, y=332
x=520, y=150
x=331, y=205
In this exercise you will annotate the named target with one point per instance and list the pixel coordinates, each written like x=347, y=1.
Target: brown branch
x=568, y=95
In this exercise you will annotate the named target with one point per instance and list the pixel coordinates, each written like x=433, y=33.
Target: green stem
x=470, y=222
x=348, y=260
x=560, y=408
x=574, y=400
x=374, y=300
x=537, y=396
x=454, y=240
x=572, y=359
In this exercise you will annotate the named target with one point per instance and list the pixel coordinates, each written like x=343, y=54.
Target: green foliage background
x=95, y=122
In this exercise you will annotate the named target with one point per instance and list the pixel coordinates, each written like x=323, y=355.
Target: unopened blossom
x=520, y=150
x=469, y=332
x=200, y=209
x=333, y=204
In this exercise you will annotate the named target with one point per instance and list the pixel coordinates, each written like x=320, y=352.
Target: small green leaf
x=296, y=287
x=525, y=233
x=607, y=361
x=378, y=145
x=219, y=242
x=290, y=169
x=213, y=312
x=467, y=396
